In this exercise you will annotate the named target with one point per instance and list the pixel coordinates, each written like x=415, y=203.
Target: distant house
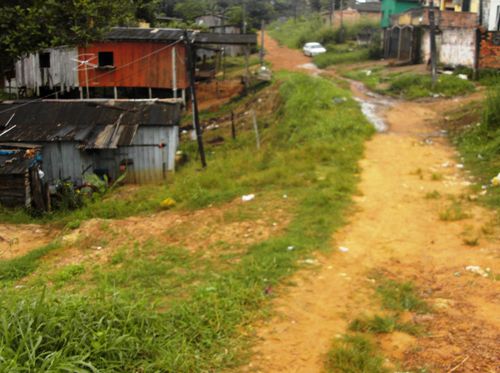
x=392, y=7
x=127, y=62
x=407, y=38
x=105, y=137
x=489, y=53
x=354, y=12
x=456, y=5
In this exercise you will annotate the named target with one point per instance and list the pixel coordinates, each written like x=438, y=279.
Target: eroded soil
x=401, y=232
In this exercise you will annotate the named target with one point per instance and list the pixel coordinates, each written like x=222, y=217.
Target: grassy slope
x=310, y=151
x=479, y=142
x=409, y=85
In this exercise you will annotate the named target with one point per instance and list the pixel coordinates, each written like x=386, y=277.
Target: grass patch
x=118, y=327
x=437, y=176
x=413, y=86
x=355, y=354
x=19, y=267
x=335, y=58
x=383, y=324
x=400, y=296
x=433, y=195
x=454, y=212
x=410, y=85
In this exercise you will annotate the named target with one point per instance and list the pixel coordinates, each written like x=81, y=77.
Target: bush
x=491, y=114
x=414, y=86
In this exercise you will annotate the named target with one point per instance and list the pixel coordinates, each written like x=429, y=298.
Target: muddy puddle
x=372, y=105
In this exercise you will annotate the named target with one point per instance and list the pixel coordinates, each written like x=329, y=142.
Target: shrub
x=491, y=113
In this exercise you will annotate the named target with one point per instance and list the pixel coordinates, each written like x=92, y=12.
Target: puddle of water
x=369, y=109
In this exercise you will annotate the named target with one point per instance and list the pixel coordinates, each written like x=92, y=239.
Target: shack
x=21, y=178
x=105, y=137
x=128, y=62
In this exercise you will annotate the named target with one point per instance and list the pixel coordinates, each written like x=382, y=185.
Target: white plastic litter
x=290, y=248
x=247, y=197
x=463, y=76
x=285, y=196
x=343, y=249
x=310, y=261
x=477, y=270
x=459, y=165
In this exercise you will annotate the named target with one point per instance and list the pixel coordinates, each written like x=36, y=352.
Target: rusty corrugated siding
x=133, y=68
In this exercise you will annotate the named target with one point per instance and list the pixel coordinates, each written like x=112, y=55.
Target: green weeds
x=453, y=212
x=413, y=86
x=13, y=269
x=115, y=324
x=355, y=354
x=383, y=324
x=400, y=296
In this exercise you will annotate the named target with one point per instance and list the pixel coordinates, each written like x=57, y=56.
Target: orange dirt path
x=397, y=230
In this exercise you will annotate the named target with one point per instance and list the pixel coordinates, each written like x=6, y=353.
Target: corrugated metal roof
x=171, y=35
x=97, y=125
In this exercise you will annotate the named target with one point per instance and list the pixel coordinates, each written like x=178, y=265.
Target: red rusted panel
x=137, y=64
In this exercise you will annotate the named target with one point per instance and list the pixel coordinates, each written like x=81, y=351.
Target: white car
x=313, y=49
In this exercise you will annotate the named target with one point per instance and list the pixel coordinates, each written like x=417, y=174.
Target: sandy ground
x=398, y=231
x=18, y=239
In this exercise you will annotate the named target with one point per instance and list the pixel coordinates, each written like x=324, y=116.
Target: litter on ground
x=247, y=197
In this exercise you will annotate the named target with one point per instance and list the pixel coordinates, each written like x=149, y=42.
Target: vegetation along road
x=352, y=251
x=412, y=234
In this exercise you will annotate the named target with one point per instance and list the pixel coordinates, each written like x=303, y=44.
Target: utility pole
x=331, y=13
x=262, y=44
x=432, y=26
x=194, y=102
x=247, y=52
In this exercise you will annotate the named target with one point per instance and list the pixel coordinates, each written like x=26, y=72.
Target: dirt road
x=400, y=230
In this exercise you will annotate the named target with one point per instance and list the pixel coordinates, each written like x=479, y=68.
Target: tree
x=30, y=25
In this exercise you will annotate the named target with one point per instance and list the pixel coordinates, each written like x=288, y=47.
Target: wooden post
x=233, y=127
x=432, y=26
x=174, y=71
x=261, y=55
x=115, y=93
x=194, y=103
x=256, y=128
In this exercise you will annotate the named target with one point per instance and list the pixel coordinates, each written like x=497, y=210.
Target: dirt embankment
x=410, y=178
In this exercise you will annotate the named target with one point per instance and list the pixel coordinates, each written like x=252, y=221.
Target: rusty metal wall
x=137, y=64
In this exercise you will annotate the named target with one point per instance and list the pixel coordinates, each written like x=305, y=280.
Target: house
x=489, y=52
x=126, y=63
x=457, y=5
x=21, y=177
x=105, y=137
x=354, y=12
x=392, y=7
x=407, y=38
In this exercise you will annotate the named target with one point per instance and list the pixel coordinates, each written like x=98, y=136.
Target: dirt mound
x=19, y=239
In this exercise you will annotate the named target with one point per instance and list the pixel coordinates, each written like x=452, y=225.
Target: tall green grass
x=295, y=33
x=412, y=86
x=310, y=151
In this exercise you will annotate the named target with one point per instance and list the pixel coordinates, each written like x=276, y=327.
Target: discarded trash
x=496, y=180
x=339, y=100
x=463, y=77
x=477, y=270
x=248, y=197
x=459, y=165
x=167, y=203
x=285, y=196
x=343, y=249
x=428, y=141
x=445, y=165
x=310, y=261
x=368, y=72
x=447, y=72
x=290, y=248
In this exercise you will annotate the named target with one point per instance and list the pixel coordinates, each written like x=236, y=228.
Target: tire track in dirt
x=398, y=230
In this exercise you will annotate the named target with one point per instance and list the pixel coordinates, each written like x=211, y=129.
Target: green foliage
x=355, y=354
x=13, y=269
x=335, y=58
x=412, y=86
x=383, y=324
x=118, y=327
x=400, y=296
x=295, y=33
x=491, y=112
x=453, y=212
